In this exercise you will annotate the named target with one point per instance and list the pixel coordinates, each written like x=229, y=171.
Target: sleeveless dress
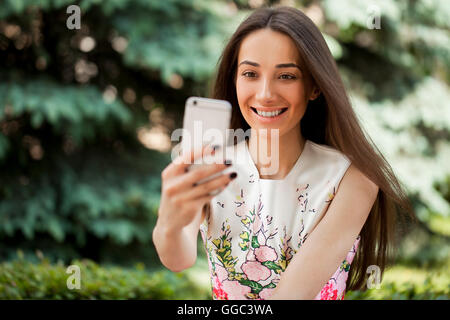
x=255, y=226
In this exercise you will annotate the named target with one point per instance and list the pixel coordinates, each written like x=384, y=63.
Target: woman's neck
x=276, y=160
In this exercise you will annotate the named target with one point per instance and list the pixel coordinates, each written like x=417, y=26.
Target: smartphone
x=205, y=121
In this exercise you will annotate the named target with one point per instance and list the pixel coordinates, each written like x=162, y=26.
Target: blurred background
x=86, y=116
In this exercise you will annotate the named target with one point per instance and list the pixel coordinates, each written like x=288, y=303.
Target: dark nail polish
x=233, y=175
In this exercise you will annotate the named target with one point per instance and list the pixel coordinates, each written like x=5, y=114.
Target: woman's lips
x=269, y=119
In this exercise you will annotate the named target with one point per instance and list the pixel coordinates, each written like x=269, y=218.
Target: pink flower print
x=236, y=291
x=341, y=283
x=266, y=293
x=255, y=271
x=251, y=255
x=265, y=253
x=261, y=238
x=221, y=272
x=218, y=291
x=242, y=210
x=351, y=254
x=328, y=292
x=257, y=224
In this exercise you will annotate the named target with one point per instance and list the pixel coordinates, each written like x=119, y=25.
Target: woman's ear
x=314, y=94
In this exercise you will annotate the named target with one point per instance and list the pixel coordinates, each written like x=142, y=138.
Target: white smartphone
x=205, y=121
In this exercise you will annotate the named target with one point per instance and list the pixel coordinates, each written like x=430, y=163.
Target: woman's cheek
x=242, y=90
x=295, y=95
x=243, y=93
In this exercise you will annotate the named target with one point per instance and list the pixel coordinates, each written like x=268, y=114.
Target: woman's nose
x=265, y=90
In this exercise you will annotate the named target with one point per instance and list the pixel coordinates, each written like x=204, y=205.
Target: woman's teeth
x=269, y=114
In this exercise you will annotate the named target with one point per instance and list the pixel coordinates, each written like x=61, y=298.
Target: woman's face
x=269, y=79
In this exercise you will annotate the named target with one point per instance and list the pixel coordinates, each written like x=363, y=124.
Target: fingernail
x=233, y=175
x=216, y=147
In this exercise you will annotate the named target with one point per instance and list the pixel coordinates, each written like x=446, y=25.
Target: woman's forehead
x=267, y=47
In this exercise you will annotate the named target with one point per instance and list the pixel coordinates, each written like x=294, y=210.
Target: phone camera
x=195, y=102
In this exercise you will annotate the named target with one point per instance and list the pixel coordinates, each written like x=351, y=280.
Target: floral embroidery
x=331, y=195
x=247, y=254
x=303, y=198
x=218, y=291
x=261, y=260
x=223, y=249
x=263, y=266
x=328, y=292
x=301, y=239
x=335, y=287
x=286, y=251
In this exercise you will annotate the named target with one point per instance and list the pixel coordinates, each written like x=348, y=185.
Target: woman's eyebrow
x=281, y=65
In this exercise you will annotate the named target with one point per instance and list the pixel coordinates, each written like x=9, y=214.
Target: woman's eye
x=289, y=76
x=248, y=72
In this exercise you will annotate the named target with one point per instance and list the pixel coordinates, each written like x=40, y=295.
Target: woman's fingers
x=185, y=182
x=203, y=172
x=201, y=201
x=181, y=163
x=206, y=188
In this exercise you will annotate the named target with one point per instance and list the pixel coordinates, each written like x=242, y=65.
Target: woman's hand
x=182, y=198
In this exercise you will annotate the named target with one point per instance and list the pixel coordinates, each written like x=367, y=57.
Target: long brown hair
x=329, y=120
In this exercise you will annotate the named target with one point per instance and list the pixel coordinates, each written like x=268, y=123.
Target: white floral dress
x=256, y=226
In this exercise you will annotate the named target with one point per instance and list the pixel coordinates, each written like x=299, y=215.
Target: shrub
x=22, y=279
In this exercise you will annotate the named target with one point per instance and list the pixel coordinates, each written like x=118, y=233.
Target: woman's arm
x=177, y=248
x=329, y=243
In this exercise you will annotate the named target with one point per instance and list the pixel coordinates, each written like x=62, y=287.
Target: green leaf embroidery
x=255, y=243
x=271, y=265
x=255, y=286
x=270, y=286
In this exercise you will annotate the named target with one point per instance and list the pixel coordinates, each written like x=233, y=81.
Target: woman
x=311, y=228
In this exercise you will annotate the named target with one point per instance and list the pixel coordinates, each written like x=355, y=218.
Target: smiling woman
x=313, y=228
x=276, y=94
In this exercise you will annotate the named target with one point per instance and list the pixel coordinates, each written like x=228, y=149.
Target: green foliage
x=196, y=36
x=74, y=178
x=393, y=291
x=80, y=112
x=21, y=279
x=195, y=32
x=114, y=200
x=406, y=283
x=398, y=79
